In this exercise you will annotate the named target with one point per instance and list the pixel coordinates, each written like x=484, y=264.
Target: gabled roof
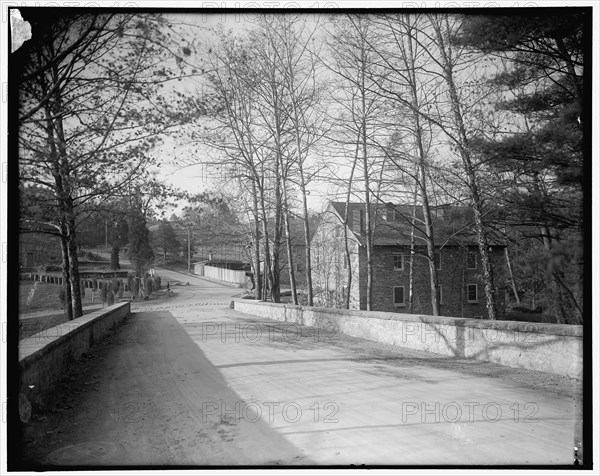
x=452, y=224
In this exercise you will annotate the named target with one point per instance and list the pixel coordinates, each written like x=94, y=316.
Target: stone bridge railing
x=552, y=348
x=46, y=357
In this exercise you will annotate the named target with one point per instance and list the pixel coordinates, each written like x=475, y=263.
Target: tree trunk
x=349, y=266
x=286, y=217
x=511, y=276
x=74, y=269
x=411, y=261
x=369, y=234
x=305, y=217
x=476, y=201
x=276, y=289
x=54, y=130
x=66, y=276
x=66, y=206
x=559, y=277
x=429, y=239
x=561, y=316
x=290, y=251
x=268, y=266
x=346, y=224
x=422, y=183
x=257, y=275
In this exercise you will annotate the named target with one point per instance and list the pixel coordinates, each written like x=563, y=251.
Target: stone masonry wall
x=553, y=348
x=453, y=278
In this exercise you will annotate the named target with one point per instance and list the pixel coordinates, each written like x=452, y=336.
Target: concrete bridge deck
x=193, y=382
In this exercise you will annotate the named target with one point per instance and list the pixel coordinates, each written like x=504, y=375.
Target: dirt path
x=136, y=399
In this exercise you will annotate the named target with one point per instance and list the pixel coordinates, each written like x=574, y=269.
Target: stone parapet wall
x=46, y=357
x=552, y=348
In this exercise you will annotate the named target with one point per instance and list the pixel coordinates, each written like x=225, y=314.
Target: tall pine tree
x=541, y=164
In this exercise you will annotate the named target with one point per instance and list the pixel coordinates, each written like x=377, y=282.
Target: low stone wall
x=552, y=348
x=47, y=356
x=88, y=283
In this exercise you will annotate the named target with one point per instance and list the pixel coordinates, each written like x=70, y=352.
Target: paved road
x=187, y=290
x=201, y=384
x=193, y=280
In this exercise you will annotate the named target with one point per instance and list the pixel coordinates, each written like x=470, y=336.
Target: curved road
x=189, y=289
x=192, y=382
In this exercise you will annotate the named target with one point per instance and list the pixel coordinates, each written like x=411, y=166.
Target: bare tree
x=445, y=111
x=299, y=68
x=238, y=136
x=443, y=28
x=357, y=124
x=406, y=80
x=89, y=115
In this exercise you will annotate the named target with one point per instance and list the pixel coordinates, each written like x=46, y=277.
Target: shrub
x=62, y=295
x=110, y=295
x=135, y=288
x=114, y=258
x=93, y=256
x=48, y=268
x=148, y=286
x=103, y=292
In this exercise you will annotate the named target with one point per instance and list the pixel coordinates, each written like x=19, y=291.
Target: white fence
x=221, y=274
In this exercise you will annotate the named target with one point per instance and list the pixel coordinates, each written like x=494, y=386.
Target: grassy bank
x=45, y=297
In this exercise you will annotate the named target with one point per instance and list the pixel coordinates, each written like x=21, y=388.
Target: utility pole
x=189, y=251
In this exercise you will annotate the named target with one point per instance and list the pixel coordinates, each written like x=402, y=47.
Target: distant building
x=457, y=259
x=37, y=249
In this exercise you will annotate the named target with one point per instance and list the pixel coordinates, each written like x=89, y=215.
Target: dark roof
x=452, y=224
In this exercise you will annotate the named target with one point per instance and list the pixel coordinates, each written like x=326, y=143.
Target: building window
x=472, y=295
x=398, y=261
x=391, y=214
x=441, y=213
x=399, y=296
x=388, y=213
x=471, y=259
